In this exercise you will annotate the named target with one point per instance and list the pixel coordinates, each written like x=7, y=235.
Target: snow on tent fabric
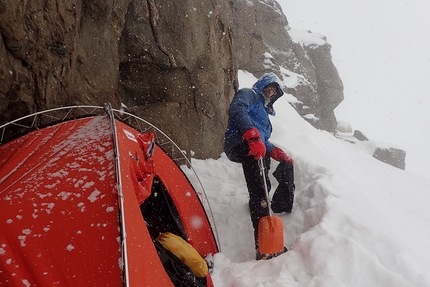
x=65, y=221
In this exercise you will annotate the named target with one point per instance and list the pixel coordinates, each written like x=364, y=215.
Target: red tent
x=82, y=202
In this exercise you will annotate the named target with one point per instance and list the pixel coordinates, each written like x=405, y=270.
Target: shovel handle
x=263, y=174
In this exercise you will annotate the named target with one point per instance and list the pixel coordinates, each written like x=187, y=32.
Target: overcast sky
x=381, y=50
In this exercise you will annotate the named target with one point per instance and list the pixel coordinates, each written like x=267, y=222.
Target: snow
x=88, y=185
x=355, y=222
x=93, y=196
x=64, y=195
x=22, y=239
x=196, y=222
x=48, y=206
x=307, y=38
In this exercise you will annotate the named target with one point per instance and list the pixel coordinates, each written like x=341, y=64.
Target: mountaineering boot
x=260, y=256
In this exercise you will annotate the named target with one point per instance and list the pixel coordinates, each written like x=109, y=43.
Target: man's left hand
x=278, y=154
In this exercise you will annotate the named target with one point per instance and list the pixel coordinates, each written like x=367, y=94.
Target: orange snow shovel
x=270, y=228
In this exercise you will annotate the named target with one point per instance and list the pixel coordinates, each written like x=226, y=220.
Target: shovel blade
x=270, y=235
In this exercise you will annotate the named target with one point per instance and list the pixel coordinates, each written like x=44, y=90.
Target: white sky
x=381, y=50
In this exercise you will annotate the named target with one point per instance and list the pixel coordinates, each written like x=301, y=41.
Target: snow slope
x=355, y=221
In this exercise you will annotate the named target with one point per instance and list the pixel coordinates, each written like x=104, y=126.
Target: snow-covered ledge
x=384, y=152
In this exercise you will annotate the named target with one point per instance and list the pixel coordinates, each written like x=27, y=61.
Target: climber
x=247, y=139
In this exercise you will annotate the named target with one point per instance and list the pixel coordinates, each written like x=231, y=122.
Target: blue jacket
x=248, y=110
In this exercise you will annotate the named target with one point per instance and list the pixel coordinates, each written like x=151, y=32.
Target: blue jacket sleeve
x=269, y=147
x=242, y=102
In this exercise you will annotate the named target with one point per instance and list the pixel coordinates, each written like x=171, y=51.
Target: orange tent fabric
x=70, y=207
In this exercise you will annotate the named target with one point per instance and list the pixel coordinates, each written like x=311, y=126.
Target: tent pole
x=109, y=111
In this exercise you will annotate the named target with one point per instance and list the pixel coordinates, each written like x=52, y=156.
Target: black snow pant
x=258, y=205
x=283, y=198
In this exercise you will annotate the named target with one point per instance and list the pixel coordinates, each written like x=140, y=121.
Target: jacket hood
x=266, y=79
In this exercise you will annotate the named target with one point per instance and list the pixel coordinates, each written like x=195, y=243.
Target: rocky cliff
x=169, y=61
x=173, y=62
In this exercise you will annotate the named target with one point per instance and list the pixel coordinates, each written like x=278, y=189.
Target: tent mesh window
x=161, y=215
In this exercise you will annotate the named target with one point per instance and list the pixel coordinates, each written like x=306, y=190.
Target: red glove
x=278, y=154
x=256, y=146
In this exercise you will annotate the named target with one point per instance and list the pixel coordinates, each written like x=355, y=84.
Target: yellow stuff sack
x=185, y=252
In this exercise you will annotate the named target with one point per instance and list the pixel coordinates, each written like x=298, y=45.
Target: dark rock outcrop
x=329, y=86
x=360, y=136
x=392, y=156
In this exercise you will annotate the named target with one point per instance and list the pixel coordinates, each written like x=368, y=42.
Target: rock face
x=173, y=63
x=177, y=69
x=57, y=53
